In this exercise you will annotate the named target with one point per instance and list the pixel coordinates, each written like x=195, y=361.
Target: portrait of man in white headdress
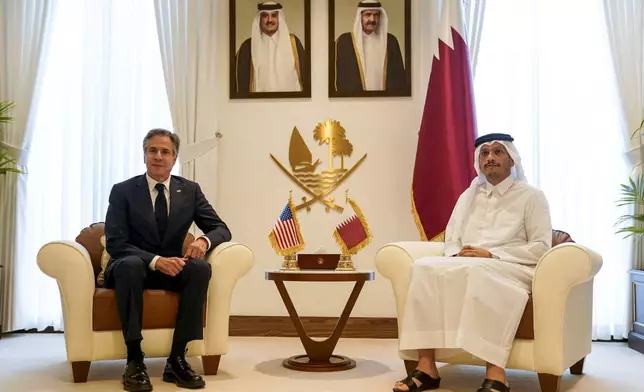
x=272, y=59
x=369, y=58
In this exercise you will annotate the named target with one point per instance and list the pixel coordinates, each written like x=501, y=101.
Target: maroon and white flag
x=444, y=165
x=353, y=233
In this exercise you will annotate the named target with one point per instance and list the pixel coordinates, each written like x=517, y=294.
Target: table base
x=335, y=363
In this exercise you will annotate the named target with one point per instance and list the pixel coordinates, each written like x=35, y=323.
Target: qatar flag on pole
x=444, y=165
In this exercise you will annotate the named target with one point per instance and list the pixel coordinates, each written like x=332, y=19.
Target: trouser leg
x=128, y=280
x=193, y=286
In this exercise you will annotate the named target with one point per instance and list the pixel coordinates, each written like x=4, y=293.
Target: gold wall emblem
x=318, y=185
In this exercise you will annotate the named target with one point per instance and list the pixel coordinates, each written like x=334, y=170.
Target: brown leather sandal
x=427, y=382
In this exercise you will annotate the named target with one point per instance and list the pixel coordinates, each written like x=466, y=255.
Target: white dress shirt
x=152, y=183
x=511, y=220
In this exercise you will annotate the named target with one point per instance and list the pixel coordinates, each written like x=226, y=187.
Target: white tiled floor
x=36, y=362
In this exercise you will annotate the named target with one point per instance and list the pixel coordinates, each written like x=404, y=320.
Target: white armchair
x=555, y=331
x=92, y=326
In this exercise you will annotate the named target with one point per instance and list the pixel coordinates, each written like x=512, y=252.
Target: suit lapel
x=177, y=199
x=145, y=201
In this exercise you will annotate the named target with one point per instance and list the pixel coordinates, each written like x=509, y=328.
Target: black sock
x=134, y=352
x=178, y=348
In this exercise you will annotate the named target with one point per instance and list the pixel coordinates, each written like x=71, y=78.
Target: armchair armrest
x=562, y=292
x=394, y=262
x=69, y=263
x=229, y=262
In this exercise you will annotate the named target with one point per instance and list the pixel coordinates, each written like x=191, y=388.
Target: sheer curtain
x=24, y=32
x=545, y=75
x=188, y=39
x=474, y=17
x=102, y=90
x=625, y=23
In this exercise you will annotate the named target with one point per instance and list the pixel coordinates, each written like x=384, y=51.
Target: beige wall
x=251, y=190
x=246, y=10
x=345, y=15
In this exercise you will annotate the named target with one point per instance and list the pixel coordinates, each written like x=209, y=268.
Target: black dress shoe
x=135, y=378
x=179, y=372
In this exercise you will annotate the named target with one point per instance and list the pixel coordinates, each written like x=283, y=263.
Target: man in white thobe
x=473, y=298
x=272, y=58
x=369, y=57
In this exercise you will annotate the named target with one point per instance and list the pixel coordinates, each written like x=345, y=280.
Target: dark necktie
x=161, y=210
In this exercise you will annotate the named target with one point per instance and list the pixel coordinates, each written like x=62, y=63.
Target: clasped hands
x=470, y=251
x=172, y=266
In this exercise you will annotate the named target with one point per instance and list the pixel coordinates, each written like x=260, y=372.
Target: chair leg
x=578, y=368
x=80, y=370
x=210, y=364
x=549, y=382
x=410, y=366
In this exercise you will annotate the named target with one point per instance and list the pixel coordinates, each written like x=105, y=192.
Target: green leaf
x=639, y=129
x=5, y=107
x=10, y=170
x=632, y=194
x=630, y=217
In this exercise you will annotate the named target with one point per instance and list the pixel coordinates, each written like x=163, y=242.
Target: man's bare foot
x=497, y=374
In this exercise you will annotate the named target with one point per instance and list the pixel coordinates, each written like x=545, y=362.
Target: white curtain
x=102, y=90
x=23, y=33
x=186, y=30
x=545, y=76
x=625, y=21
x=474, y=16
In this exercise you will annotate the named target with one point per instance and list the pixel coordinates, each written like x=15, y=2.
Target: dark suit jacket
x=131, y=229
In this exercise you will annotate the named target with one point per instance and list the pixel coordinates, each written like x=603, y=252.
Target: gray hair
x=162, y=132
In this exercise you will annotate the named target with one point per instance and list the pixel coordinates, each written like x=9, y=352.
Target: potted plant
x=7, y=163
x=632, y=194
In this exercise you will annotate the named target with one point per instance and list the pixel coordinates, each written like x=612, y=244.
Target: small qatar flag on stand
x=444, y=165
x=286, y=237
x=352, y=234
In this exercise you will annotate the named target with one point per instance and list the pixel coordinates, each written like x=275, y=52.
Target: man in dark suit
x=147, y=221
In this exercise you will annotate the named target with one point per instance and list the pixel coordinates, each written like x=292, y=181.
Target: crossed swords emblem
x=319, y=196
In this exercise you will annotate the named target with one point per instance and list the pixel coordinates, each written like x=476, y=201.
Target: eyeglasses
x=153, y=151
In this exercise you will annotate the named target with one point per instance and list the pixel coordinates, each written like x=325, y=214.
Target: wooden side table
x=319, y=354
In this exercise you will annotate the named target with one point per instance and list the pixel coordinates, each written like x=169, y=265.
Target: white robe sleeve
x=453, y=243
x=538, y=231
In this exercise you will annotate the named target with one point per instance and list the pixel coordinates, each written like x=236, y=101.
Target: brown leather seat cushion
x=159, y=310
x=90, y=238
x=159, y=306
x=526, y=326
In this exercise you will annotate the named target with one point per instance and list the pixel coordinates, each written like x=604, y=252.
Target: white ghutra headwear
x=372, y=70
x=460, y=212
x=506, y=141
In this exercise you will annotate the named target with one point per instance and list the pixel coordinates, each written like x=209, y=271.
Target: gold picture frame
x=349, y=22
x=248, y=18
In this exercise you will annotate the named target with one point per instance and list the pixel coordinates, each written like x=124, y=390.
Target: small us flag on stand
x=286, y=237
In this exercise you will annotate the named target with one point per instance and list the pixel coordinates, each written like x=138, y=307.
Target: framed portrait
x=369, y=48
x=270, y=49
